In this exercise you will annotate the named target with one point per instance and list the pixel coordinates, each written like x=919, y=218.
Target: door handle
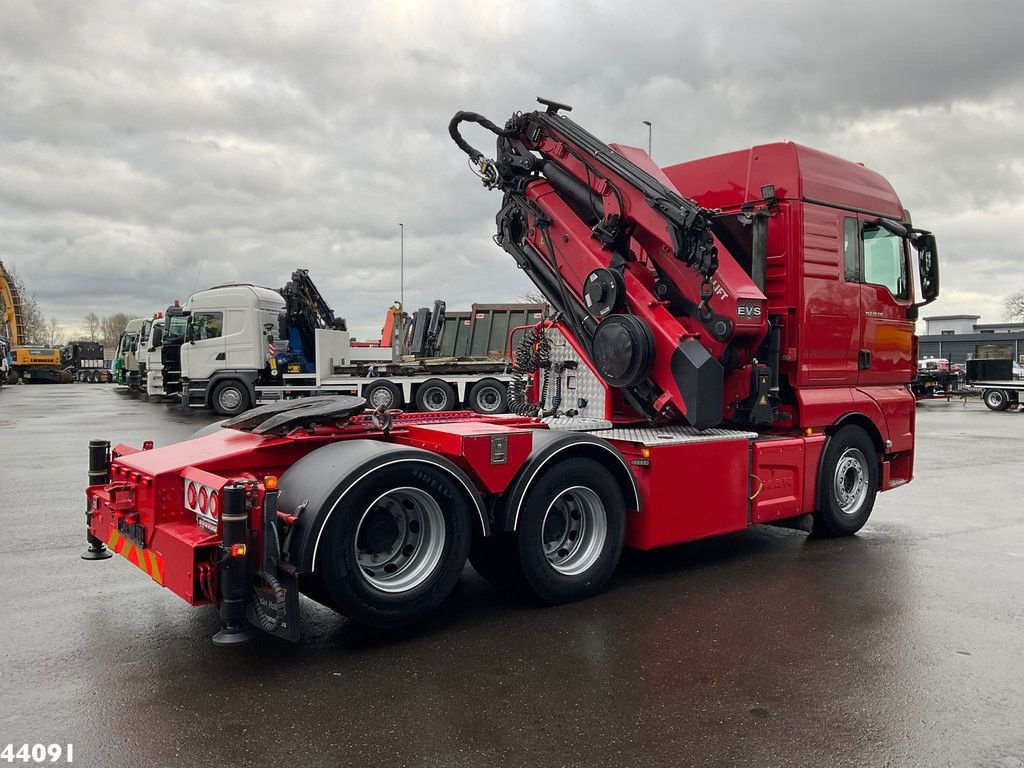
x=220, y=356
x=864, y=359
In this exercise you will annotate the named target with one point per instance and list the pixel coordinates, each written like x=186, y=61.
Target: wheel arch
x=865, y=423
x=309, y=488
x=550, y=447
x=243, y=377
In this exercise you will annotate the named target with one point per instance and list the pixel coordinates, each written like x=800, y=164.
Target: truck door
x=240, y=339
x=205, y=353
x=886, y=335
x=829, y=329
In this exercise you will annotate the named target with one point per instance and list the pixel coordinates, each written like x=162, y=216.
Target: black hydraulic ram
x=233, y=574
x=99, y=474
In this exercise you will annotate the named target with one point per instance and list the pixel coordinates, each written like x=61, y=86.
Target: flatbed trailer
x=994, y=382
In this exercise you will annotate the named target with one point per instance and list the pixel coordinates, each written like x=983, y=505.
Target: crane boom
x=643, y=282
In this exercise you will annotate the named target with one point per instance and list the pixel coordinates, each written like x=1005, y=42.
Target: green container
x=455, y=335
x=491, y=325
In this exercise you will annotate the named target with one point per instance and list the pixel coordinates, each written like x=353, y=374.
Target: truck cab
x=149, y=354
x=225, y=346
x=169, y=352
x=126, y=363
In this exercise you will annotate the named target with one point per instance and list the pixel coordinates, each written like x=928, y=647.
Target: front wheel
x=847, y=483
x=395, y=549
x=995, y=399
x=571, y=531
x=230, y=398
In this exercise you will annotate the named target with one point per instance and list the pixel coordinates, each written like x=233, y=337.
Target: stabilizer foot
x=97, y=554
x=235, y=636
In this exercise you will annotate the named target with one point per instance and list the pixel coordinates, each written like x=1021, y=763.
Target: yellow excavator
x=29, y=363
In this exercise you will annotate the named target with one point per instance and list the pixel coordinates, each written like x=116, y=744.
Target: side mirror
x=928, y=265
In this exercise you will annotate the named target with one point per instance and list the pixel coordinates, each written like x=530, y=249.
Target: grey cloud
x=146, y=143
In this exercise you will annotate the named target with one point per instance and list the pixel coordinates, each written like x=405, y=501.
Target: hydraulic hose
x=472, y=117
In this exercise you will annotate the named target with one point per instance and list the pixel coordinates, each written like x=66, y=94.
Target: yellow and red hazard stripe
x=143, y=559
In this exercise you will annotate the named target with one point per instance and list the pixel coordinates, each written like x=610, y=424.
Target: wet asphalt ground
x=903, y=646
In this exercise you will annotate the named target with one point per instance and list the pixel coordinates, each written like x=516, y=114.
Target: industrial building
x=961, y=337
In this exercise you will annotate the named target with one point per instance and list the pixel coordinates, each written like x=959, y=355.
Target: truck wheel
x=383, y=395
x=847, y=483
x=230, y=398
x=995, y=399
x=435, y=395
x=394, y=551
x=571, y=530
x=488, y=396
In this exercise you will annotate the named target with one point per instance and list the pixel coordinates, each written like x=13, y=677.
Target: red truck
x=732, y=344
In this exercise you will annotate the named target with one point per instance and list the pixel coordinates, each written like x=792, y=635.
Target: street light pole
x=649, y=128
x=401, y=266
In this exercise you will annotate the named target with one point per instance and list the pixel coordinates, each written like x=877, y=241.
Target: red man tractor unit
x=732, y=344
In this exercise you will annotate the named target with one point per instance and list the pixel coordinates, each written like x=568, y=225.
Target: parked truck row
x=234, y=346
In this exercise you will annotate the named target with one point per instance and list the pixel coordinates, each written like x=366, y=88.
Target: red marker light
x=203, y=498
x=211, y=508
x=190, y=495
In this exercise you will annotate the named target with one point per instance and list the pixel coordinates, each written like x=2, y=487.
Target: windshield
x=175, y=329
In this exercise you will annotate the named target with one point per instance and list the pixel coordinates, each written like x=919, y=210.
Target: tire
x=847, y=483
x=378, y=519
x=488, y=396
x=496, y=559
x=995, y=399
x=383, y=394
x=434, y=396
x=574, y=495
x=230, y=398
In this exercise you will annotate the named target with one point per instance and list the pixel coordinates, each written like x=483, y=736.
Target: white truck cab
x=126, y=362
x=225, y=348
x=149, y=356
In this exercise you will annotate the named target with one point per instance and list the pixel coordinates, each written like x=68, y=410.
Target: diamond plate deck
x=672, y=435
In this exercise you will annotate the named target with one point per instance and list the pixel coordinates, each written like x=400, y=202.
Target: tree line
x=37, y=330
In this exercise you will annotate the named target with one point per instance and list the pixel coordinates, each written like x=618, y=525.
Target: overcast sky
x=147, y=148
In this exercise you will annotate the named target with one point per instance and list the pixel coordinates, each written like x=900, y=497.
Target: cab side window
x=884, y=260
x=207, y=325
x=851, y=250
x=874, y=255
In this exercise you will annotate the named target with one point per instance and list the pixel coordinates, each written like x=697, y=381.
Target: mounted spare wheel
x=230, y=398
x=383, y=395
x=435, y=395
x=395, y=544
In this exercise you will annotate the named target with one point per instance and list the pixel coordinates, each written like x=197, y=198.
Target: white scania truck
x=227, y=362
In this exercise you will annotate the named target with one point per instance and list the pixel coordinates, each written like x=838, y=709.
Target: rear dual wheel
x=995, y=399
x=395, y=549
x=572, y=526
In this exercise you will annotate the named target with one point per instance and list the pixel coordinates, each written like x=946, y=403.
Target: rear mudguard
x=550, y=447
x=315, y=486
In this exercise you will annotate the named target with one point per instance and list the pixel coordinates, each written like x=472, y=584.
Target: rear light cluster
x=202, y=500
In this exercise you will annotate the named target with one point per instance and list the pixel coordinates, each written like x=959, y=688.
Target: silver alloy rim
x=435, y=399
x=574, y=530
x=230, y=399
x=400, y=540
x=995, y=397
x=850, y=481
x=382, y=397
x=488, y=399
